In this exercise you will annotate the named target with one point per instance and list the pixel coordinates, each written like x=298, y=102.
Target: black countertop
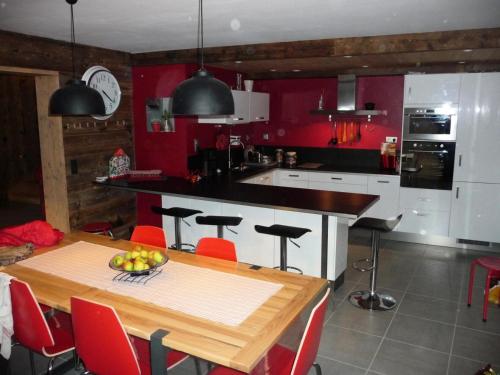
x=227, y=189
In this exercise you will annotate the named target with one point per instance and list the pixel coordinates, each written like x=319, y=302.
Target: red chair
x=281, y=360
x=104, y=346
x=50, y=337
x=149, y=235
x=216, y=248
x=492, y=264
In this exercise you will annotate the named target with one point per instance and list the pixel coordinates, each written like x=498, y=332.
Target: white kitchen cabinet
x=292, y=178
x=475, y=211
x=241, y=111
x=248, y=107
x=387, y=187
x=340, y=187
x=251, y=247
x=425, y=199
x=422, y=89
x=259, y=106
x=424, y=222
x=425, y=211
x=478, y=129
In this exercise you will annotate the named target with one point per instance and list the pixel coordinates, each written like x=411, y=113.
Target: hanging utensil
x=334, y=139
x=344, y=135
x=358, y=136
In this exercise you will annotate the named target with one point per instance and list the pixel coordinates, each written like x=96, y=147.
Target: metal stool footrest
x=192, y=250
x=363, y=269
x=299, y=271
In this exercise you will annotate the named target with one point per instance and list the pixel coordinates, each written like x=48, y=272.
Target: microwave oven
x=430, y=124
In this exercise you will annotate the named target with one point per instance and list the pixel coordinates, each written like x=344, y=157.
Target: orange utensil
x=344, y=136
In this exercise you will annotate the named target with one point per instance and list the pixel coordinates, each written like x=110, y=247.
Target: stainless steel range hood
x=346, y=101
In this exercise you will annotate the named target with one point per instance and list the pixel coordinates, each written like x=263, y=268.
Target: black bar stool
x=371, y=299
x=285, y=233
x=178, y=213
x=220, y=222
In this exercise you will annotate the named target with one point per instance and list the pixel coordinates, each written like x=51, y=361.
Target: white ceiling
x=156, y=25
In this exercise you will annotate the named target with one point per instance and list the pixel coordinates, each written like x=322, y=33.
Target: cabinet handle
x=459, y=160
x=457, y=193
x=293, y=175
x=259, y=118
x=337, y=178
x=424, y=199
x=382, y=182
x=237, y=118
x=419, y=214
x=409, y=91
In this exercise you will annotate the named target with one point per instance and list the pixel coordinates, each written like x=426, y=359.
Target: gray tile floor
x=431, y=331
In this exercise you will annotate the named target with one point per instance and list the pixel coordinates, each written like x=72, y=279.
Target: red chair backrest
x=30, y=327
x=100, y=339
x=216, y=248
x=308, y=348
x=149, y=235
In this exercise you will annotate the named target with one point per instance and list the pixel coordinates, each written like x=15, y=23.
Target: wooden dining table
x=279, y=319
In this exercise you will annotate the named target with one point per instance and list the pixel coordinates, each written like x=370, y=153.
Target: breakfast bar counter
x=322, y=252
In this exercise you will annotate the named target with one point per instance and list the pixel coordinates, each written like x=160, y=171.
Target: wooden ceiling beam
x=386, y=44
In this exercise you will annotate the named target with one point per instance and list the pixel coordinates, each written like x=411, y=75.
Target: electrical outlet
x=265, y=136
x=391, y=139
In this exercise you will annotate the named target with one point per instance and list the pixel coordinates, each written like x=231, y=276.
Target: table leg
x=324, y=246
x=158, y=352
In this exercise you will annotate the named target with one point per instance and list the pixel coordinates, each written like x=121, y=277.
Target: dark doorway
x=21, y=190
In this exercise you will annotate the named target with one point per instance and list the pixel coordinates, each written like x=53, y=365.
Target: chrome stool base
x=368, y=301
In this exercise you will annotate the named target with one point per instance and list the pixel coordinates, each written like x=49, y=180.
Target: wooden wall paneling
x=52, y=151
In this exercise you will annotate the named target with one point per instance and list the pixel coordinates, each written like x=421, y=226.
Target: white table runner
x=221, y=297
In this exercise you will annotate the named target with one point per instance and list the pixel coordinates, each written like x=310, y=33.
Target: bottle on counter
x=291, y=159
x=279, y=156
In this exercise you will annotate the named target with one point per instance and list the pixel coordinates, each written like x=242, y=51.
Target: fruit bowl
x=138, y=262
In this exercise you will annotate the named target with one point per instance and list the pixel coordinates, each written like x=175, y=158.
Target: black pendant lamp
x=202, y=94
x=76, y=98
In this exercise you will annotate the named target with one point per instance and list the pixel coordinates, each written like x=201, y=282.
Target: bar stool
x=220, y=222
x=178, y=213
x=371, y=299
x=284, y=232
x=98, y=228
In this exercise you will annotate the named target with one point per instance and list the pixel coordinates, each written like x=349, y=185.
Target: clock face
x=101, y=79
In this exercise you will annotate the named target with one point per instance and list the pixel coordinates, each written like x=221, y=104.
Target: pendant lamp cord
x=72, y=42
x=200, y=32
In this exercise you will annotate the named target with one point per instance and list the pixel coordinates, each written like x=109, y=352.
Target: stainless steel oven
x=430, y=124
x=427, y=165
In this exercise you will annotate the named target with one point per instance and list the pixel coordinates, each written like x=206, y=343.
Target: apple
x=150, y=254
x=151, y=262
x=128, y=255
x=118, y=260
x=138, y=248
x=135, y=254
x=146, y=266
x=158, y=257
x=144, y=254
x=139, y=266
x=128, y=266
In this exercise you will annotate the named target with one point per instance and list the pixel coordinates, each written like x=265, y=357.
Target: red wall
x=166, y=151
x=291, y=124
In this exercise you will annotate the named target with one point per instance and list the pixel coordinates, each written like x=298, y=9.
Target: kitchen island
x=322, y=252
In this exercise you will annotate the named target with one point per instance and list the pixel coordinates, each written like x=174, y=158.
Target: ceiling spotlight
x=467, y=50
x=296, y=70
x=238, y=62
x=364, y=66
x=460, y=62
x=347, y=56
x=272, y=70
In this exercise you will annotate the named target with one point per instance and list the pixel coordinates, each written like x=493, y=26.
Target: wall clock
x=102, y=80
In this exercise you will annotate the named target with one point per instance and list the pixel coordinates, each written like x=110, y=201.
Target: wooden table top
x=240, y=347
